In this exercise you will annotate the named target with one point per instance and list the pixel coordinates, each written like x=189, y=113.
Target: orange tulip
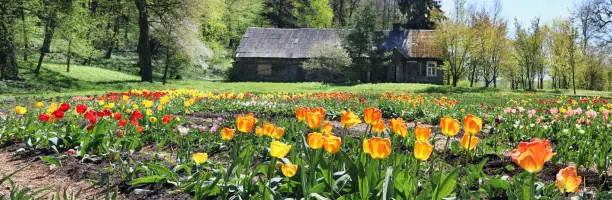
x=378, y=127
x=315, y=140
x=279, y=149
x=349, y=119
x=422, y=133
x=245, y=123
x=471, y=124
x=314, y=117
x=332, y=144
x=422, y=150
x=289, y=170
x=378, y=148
x=277, y=133
x=568, y=180
x=372, y=115
x=327, y=128
x=300, y=113
x=532, y=155
x=450, y=127
x=227, y=133
x=259, y=131
x=465, y=141
x=398, y=126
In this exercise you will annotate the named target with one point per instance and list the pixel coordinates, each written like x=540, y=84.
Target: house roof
x=285, y=43
x=296, y=43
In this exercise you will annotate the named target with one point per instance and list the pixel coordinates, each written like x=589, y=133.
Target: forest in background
x=163, y=39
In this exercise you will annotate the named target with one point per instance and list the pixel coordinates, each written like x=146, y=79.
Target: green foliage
x=314, y=13
x=420, y=14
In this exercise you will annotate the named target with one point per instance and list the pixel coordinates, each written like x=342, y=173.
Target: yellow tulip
x=315, y=140
x=471, y=124
x=289, y=170
x=327, y=128
x=199, y=158
x=227, y=133
x=245, y=123
x=378, y=148
x=465, y=141
x=332, y=144
x=372, y=115
x=153, y=119
x=422, y=150
x=450, y=127
x=40, y=105
x=349, y=119
x=20, y=110
x=279, y=149
x=398, y=126
x=422, y=133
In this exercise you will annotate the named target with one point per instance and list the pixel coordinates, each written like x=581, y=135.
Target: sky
x=524, y=10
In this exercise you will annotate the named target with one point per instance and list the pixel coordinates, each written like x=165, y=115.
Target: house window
x=264, y=69
x=432, y=68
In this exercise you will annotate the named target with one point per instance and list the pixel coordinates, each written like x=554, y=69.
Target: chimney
x=397, y=26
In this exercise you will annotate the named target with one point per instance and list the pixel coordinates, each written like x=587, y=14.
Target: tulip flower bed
x=190, y=144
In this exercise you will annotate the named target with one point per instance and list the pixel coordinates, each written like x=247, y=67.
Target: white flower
x=183, y=130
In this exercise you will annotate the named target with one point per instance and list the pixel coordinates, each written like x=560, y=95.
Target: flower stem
x=532, y=186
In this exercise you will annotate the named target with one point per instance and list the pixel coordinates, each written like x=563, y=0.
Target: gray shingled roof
x=285, y=43
x=296, y=43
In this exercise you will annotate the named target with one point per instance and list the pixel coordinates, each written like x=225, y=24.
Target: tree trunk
x=113, y=40
x=25, y=35
x=455, y=79
x=68, y=56
x=167, y=66
x=49, y=28
x=8, y=62
x=144, y=49
x=473, y=76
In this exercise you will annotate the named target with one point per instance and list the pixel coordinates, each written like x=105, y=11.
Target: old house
x=273, y=54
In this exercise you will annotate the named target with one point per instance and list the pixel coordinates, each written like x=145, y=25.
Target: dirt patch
x=38, y=175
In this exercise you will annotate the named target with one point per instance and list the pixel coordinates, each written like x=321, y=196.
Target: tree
x=456, y=40
x=420, y=14
x=8, y=63
x=329, y=59
x=362, y=40
x=490, y=44
x=528, y=44
x=280, y=13
x=144, y=48
x=314, y=13
x=51, y=9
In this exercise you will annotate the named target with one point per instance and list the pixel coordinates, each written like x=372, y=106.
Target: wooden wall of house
x=282, y=70
x=403, y=70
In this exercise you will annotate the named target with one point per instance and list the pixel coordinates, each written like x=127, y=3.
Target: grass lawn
x=83, y=80
x=91, y=74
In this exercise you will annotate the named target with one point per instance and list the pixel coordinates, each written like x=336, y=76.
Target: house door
x=409, y=71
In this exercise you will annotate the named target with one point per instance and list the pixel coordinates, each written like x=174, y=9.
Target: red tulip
x=58, y=114
x=107, y=112
x=43, y=117
x=166, y=119
x=81, y=108
x=122, y=123
x=64, y=107
x=117, y=116
x=91, y=116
